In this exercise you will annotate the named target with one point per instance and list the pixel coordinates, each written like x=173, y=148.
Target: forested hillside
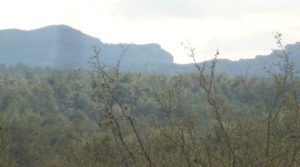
x=104, y=117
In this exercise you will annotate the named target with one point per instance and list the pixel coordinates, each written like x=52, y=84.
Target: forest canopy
x=104, y=117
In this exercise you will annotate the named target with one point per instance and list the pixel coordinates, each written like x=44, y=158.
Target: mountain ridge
x=63, y=47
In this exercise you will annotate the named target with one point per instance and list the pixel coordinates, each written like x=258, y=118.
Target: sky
x=240, y=29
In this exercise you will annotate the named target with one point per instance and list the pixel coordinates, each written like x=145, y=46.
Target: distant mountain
x=259, y=65
x=63, y=47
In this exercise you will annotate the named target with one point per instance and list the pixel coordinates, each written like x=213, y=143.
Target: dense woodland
x=107, y=118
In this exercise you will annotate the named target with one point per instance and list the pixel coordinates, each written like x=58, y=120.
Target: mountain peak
x=62, y=46
x=59, y=27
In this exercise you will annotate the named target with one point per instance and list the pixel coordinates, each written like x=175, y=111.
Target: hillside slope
x=64, y=47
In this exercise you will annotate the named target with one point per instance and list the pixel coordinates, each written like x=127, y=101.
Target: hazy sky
x=239, y=28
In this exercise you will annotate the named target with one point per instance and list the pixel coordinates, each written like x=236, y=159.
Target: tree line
x=106, y=118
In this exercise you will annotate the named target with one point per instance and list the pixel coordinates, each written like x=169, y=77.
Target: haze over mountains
x=63, y=47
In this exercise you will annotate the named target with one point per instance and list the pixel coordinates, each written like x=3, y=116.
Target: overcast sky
x=238, y=28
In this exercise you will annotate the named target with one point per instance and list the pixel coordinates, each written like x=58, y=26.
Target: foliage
x=109, y=118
